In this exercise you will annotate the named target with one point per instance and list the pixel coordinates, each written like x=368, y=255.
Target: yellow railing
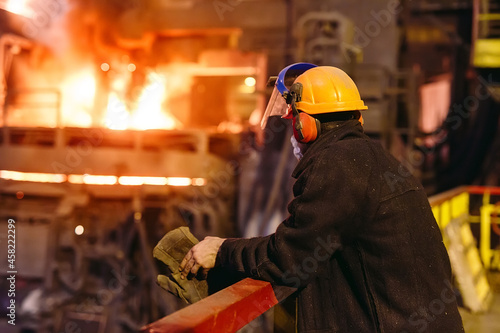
x=489, y=221
x=470, y=258
x=455, y=203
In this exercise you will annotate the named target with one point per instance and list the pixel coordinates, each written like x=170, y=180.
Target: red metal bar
x=225, y=311
x=483, y=189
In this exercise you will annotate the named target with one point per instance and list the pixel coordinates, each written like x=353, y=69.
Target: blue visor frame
x=299, y=67
x=277, y=105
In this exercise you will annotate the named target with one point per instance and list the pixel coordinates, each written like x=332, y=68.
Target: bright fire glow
x=78, y=93
x=117, y=117
x=20, y=7
x=149, y=113
x=100, y=180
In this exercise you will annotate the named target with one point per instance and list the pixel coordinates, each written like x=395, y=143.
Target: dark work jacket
x=361, y=243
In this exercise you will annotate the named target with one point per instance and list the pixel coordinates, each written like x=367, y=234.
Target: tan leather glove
x=170, y=250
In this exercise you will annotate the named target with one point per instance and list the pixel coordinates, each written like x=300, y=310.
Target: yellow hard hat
x=328, y=89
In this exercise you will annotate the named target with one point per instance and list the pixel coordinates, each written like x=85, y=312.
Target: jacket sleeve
x=328, y=197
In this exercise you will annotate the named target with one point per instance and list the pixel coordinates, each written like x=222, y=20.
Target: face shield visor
x=278, y=104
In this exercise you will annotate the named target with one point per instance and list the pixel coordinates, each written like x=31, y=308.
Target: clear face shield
x=277, y=105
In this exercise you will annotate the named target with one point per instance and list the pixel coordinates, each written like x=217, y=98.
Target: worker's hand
x=202, y=255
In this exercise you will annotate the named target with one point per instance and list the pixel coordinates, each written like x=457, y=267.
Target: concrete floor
x=488, y=322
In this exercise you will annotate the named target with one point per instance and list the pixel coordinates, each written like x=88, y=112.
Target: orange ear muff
x=310, y=128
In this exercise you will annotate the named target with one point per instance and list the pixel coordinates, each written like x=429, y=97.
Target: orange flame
x=117, y=115
x=148, y=112
x=78, y=93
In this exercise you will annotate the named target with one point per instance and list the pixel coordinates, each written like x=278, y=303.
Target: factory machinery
x=93, y=201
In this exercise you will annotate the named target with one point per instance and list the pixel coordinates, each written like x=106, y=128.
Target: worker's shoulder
x=352, y=157
x=365, y=153
x=359, y=148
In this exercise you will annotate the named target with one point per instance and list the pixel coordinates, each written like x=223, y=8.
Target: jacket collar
x=330, y=133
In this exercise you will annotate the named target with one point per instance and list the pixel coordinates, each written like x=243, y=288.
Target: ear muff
x=306, y=129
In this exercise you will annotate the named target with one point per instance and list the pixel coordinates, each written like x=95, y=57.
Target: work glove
x=170, y=250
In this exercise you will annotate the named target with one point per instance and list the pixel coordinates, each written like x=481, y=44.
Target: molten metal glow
x=32, y=177
x=178, y=181
x=92, y=180
x=199, y=182
x=137, y=181
x=131, y=181
x=19, y=7
x=100, y=180
x=75, y=179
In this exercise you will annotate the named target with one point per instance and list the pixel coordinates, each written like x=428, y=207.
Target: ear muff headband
x=305, y=128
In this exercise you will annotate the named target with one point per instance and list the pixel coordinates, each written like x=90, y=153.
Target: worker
x=360, y=243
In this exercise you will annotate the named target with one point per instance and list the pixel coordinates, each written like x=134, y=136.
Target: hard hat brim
x=312, y=108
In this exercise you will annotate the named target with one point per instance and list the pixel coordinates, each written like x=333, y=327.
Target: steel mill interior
x=122, y=120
